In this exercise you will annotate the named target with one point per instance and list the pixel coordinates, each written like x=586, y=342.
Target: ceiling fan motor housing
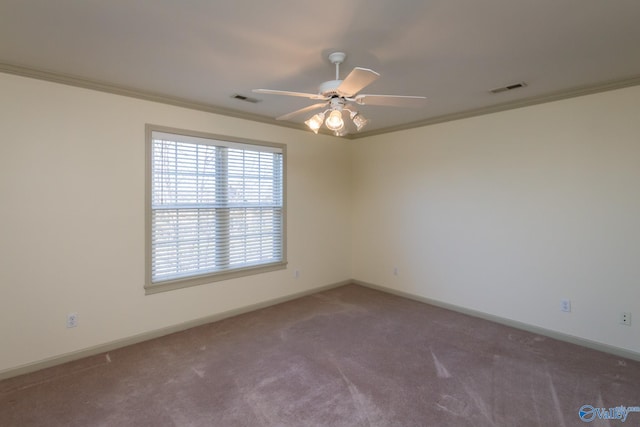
x=329, y=89
x=337, y=103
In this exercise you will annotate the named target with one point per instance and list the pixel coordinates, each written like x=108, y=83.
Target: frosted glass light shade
x=359, y=121
x=315, y=122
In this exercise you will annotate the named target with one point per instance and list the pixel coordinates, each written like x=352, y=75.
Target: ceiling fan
x=338, y=96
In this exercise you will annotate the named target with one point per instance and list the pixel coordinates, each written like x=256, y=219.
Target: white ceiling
x=451, y=51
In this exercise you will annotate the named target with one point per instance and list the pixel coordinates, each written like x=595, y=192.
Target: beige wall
x=504, y=214
x=72, y=220
x=508, y=213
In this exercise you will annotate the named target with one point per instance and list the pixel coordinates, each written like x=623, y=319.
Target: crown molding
x=81, y=82
x=556, y=96
x=185, y=103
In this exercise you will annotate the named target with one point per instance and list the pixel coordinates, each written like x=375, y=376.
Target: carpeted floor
x=350, y=356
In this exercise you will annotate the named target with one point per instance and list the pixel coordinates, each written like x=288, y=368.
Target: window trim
x=195, y=280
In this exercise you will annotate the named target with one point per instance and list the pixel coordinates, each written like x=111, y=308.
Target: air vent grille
x=509, y=87
x=245, y=98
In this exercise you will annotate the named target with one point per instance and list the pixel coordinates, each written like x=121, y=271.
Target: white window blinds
x=216, y=206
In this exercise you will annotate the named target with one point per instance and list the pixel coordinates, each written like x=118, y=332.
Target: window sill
x=170, y=285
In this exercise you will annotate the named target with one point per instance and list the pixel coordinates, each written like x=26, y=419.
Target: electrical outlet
x=296, y=274
x=395, y=271
x=625, y=318
x=72, y=320
x=565, y=305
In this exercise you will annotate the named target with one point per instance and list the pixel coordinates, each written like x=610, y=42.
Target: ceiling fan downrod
x=337, y=58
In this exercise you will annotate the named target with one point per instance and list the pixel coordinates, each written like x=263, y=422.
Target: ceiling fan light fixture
x=315, y=122
x=334, y=122
x=338, y=95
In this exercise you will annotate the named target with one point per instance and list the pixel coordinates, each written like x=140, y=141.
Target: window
x=215, y=208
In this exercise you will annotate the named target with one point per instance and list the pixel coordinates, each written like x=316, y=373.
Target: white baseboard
x=605, y=348
x=113, y=345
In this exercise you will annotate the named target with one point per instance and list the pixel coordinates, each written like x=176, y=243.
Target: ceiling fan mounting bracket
x=337, y=57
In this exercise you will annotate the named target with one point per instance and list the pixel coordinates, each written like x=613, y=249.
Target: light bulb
x=334, y=121
x=315, y=122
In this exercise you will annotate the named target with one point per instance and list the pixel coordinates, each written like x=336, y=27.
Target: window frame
x=201, y=279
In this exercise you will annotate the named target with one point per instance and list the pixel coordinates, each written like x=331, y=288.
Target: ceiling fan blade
x=357, y=79
x=391, y=100
x=302, y=110
x=288, y=93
